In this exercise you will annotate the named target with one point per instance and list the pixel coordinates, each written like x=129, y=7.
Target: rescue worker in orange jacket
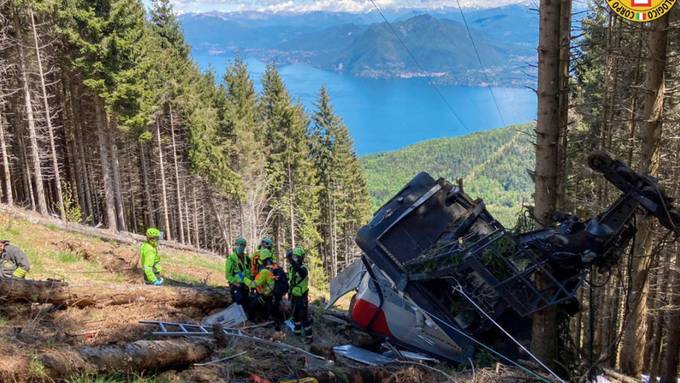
x=261, y=305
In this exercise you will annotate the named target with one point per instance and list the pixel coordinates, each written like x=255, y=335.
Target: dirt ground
x=28, y=330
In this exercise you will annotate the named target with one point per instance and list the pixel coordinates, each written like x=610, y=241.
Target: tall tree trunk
x=166, y=217
x=28, y=185
x=544, y=342
x=5, y=163
x=115, y=172
x=84, y=174
x=186, y=215
x=565, y=51
x=33, y=137
x=177, y=181
x=149, y=216
x=109, y=199
x=197, y=243
x=291, y=203
x=634, y=335
x=48, y=120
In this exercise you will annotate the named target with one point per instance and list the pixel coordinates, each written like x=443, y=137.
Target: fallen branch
x=221, y=360
x=133, y=357
x=84, y=295
x=619, y=376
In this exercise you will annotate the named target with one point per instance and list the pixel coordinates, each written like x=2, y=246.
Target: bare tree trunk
x=48, y=120
x=115, y=172
x=544, y=342
x=28, y=185
x=149, y=216
x=110, y=202
x=218, y=215
x=186, y=215
x=166, y=217
x=565, y=51
x=634, y=335
x=177, y=182
x=5, y=163
x=83, y=174
x=291, y=202
x=35, y=153
x=197, y=243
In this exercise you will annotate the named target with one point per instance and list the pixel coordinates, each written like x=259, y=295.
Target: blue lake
x=385, y=115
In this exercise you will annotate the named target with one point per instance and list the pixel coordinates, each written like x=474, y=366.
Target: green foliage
x=67, y=257
x=73, y=211
x=492, y=164
x=290, y=173
x=343, y=193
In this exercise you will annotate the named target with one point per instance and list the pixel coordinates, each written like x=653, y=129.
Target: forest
x=493, y=165
x=105, y=120
x=610, y=84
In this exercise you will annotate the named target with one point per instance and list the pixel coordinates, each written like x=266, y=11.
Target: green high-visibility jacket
x=264, y=282
x=151, y=261
x=237, y=269
x=298, y=280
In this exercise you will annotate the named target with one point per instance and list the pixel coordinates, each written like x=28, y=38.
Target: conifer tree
x=290, y=173
x=343, y=191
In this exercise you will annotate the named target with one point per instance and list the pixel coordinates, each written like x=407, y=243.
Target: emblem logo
x=641, y=11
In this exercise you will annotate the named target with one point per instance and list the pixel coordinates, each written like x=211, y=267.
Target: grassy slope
x=493, y=165
x=78, y=258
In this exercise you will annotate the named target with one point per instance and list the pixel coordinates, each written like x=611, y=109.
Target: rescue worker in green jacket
x=13, y=262
x=238, y=273
x=262, y=303
x=298, y=281
x=151, y=261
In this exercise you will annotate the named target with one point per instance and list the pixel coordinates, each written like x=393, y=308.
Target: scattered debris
x=361, y=355
x=232, y=316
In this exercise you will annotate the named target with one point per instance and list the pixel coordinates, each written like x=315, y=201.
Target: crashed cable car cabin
x=440, y=275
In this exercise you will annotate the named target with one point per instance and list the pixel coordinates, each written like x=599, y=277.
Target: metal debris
x=361, y=355
x=232, y=316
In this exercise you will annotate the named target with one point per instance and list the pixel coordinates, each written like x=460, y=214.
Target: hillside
x=93, y=341
x=364, y=45
x=492, y=164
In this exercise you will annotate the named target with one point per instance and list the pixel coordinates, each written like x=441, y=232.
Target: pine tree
x=342, y=186
x=290, y=173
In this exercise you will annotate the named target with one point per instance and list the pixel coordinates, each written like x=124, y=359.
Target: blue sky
x=183, y=6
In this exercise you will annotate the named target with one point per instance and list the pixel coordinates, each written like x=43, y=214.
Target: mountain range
x=362, y=44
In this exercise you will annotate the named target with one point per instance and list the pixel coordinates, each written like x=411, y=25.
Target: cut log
x=84, y=295
x=139, y=356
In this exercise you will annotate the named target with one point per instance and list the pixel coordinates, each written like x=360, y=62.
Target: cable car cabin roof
x=424, y=213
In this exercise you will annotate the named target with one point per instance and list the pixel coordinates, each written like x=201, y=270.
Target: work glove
x=20, y=273
x=297, y=291
x=158, y=282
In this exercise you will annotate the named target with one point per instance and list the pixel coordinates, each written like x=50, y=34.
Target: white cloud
x=183, y=6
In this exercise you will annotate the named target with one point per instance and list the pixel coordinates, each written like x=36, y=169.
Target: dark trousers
x=301, y=316
x=260, y=308
x=239, y=294
x=277, y=314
